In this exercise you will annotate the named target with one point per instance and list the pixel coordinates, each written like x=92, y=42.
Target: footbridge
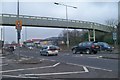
x=36, y=21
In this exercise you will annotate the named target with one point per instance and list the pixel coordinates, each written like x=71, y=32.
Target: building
x=40, y=42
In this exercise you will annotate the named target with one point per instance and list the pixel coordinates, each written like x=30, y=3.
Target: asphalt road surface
x=31, y=65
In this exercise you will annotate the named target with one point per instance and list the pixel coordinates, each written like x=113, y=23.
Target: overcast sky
x=86, y=11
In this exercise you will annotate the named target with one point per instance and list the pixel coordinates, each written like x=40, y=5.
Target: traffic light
x=18, y=24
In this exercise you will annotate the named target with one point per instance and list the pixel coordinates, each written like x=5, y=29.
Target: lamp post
x=66, y=19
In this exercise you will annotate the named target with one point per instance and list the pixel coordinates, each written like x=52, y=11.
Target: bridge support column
x=94, y=34
x=91, y=36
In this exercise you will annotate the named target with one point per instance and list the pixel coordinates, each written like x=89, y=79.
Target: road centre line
x=2, y=57
x=17, y=76
x=88, y=56
x=81, y=55
x=30, y=68
x=94, y=57
x=49, y=59
x=90, y=67
x=60, y=73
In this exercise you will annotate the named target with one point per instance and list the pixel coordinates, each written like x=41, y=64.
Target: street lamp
x=66, y=19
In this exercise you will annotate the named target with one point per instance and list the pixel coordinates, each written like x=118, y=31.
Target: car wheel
x=95, y=52
x=46, y=54
x=56, y=54
x=88, y=51
x=74, y=51
x=41, y=54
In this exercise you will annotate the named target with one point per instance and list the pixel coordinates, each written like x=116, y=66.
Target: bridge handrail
x=50, y=18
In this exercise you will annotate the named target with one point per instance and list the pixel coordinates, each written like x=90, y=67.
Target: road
x=65, y=65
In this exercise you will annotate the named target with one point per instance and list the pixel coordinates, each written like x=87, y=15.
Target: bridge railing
x=92, y=24
x=48, y=18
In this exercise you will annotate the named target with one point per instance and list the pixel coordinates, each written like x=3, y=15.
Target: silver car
x=49, y=50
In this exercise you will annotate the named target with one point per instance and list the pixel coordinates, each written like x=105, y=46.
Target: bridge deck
x=36, y=21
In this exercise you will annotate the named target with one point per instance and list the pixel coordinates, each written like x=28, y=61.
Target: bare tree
x=113, y=23
x=75, y=36
x=13, y=42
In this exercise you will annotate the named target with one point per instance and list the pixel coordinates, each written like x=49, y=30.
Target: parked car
x=86, y=47
x=105, y=46
x=49, y=50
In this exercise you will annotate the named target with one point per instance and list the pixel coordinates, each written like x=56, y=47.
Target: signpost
x=114, y=36
x=19, y=28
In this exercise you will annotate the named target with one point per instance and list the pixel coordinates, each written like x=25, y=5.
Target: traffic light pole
x=18, y=31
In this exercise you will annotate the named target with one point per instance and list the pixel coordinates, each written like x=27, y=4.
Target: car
x=30, y=47
x=58, y=48
x=86, y=47
x=105, y=46
x=49, y=50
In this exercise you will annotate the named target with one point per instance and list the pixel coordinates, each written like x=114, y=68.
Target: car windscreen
x=44, y=47
x=52, y=48
x=106, y=45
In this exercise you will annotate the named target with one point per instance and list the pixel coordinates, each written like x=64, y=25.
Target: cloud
x=62, y=0
x=86, y=11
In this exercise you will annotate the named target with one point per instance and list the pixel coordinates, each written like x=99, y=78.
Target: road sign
x=18, y=24
x=114, y=36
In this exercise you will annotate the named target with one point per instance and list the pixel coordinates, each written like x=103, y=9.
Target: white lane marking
x=49, y=59
x=100, y=56
x=56, y=64
x=86, y=70
x=84, y=65
x=17, y=76
x=30, y=68
x=67, y=54
x=2, y=57
x=94, y=57
x=90, y=56
x=3, y=65
x=60, y=73
x=91, y=67
x=53, y=60
x=85, y=55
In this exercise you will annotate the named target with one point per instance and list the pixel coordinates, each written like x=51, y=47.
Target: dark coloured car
x=86, y=47
x=105, y=46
